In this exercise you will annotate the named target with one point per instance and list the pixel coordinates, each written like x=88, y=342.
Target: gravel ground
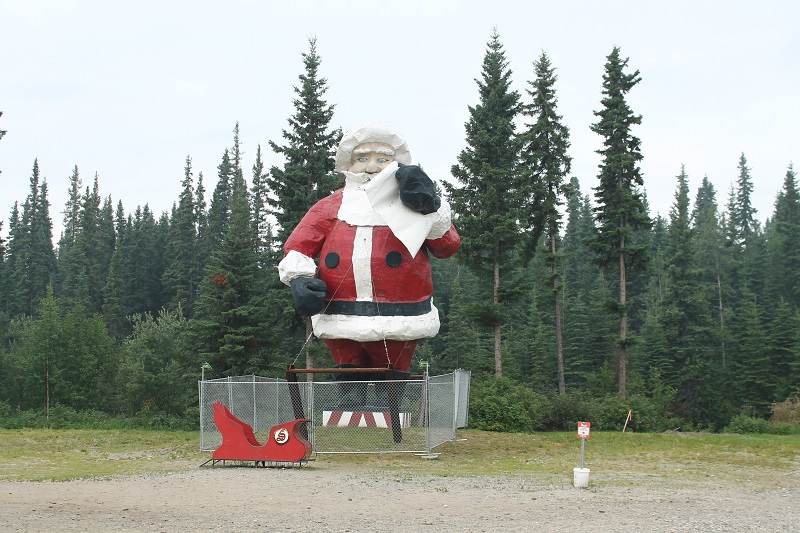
x=326, y=498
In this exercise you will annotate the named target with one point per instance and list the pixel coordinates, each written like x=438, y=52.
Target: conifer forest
x=568, y=299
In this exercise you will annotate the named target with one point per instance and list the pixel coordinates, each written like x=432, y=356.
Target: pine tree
x=72, y=212
x=579, y=275
x=620, y=207
x=755, y=378
x=31, y=243
x=232, y=325
x=742, y=213
x=85, y=250
x=747, y=240
x=463, y=345
x=14, y=244
x=307, y=174
x=203, y=238
x=546, y=164
x=259, y=195
x=784, y=350
x=71, y=227
x=784, y=243
x=142, y=248
x=219, y=211
x=114, y=298
x=180, y=276
x=488, y=202
x=708, y=244
x=688, y=325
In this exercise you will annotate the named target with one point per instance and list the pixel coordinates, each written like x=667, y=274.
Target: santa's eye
x=362, y=159
x=382, y=160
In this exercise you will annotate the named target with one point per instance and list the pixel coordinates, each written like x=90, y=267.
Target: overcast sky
x=128, y=89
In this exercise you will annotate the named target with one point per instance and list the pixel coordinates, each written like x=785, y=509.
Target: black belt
x=339, y=307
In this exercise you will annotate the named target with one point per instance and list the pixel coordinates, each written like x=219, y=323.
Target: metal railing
x=409, y=415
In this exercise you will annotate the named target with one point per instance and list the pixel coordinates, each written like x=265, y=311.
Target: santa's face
x=371, y=158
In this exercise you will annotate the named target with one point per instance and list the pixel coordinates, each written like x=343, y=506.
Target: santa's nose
x=372, y=167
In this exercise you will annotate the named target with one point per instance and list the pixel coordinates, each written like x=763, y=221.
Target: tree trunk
x=47, y=390
x=562, y=387
x=623, y=325
x=498, y=355
x=721, y=315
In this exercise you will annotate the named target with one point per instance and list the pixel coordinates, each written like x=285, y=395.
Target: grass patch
x=757, y=462
x=66, y=454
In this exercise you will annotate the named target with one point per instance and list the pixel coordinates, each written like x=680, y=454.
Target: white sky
x=128, y=89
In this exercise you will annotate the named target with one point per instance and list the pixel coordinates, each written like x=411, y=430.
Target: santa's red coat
x=375, y=289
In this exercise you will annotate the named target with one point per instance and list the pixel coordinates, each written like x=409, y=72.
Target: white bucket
x=580, y=477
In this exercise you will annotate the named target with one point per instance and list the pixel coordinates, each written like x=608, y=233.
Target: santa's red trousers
x=372, y=354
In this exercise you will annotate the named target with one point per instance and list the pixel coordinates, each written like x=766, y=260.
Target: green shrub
x=61, y=417
x=743, y=423
x=506, y=405
x=502, y=405
x=564, y=411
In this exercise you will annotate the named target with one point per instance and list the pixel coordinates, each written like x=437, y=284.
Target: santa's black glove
x=417, y=190
x=309, y=295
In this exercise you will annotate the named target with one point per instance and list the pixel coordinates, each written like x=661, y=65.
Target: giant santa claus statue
x=370, y=296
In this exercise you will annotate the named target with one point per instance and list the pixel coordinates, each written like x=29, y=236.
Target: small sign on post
x=581, y=475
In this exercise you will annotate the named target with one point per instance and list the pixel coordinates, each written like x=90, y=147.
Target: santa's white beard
x=376, y=202
x=359, y=178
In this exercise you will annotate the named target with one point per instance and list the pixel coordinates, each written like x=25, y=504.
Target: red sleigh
x=285, y=444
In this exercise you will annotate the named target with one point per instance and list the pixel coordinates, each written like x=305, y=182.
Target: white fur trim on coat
x=296, y=265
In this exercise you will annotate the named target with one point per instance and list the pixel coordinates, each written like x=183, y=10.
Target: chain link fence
x=346, y=416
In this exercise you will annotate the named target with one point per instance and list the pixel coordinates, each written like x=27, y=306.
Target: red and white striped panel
x=363, y=419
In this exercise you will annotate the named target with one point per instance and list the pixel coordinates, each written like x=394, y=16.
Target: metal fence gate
x=430, y=408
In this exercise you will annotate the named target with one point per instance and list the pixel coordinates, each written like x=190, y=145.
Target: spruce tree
x=742, y=213
x=219, y=211
x=72, y=211
x=31, y=243
x=545, y=166
x=620, y=207
x=463, y=344
x=747, y=240
x=784, y=350
x=755, y=377
x=579, y=275
x=142, y=249
x=713, y=271
x=180, y=276
x=203, y=238
x=231, y=323
x=488, y=201
x=13, y=245
x=307, y=174
x=114, y=298
x=784, y=243
x=259, y=196
x=688, y=325
x=308, y=171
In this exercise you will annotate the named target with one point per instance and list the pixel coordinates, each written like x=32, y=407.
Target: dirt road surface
x=337, y=498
